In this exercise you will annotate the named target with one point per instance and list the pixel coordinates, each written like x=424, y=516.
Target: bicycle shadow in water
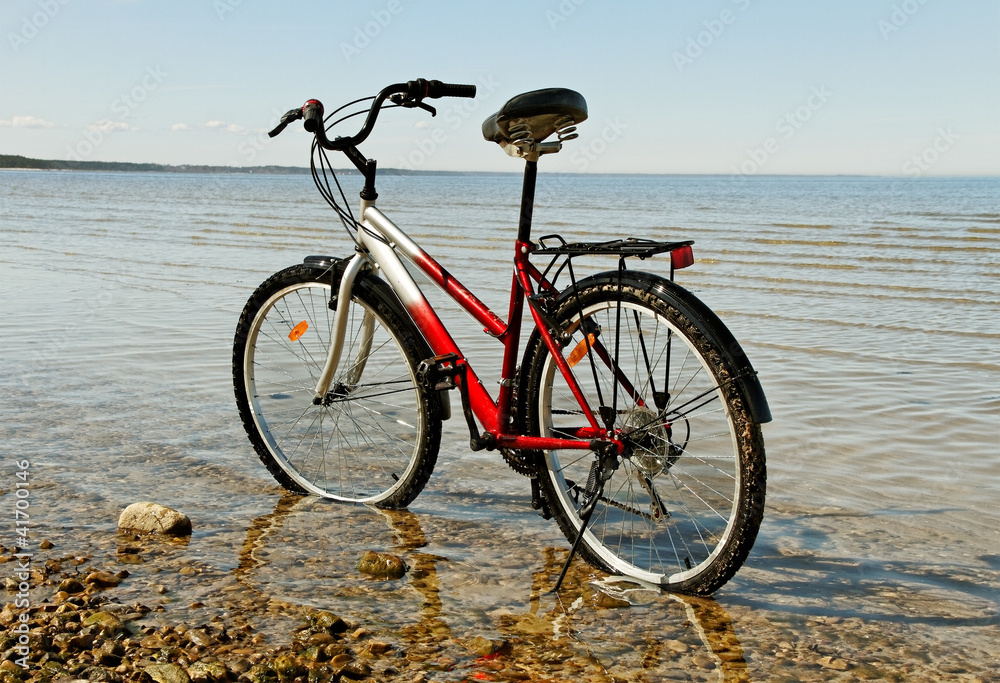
x=306, y=550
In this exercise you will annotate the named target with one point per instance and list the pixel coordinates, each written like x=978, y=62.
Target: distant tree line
x=17, y=161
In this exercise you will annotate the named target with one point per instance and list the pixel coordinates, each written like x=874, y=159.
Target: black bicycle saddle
x=536, y=114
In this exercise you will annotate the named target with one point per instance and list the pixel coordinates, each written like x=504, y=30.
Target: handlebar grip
x=437, y=89
x=312, y=114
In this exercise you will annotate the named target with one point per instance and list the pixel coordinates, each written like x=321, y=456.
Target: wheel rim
x=360, y=445
x=696, y=478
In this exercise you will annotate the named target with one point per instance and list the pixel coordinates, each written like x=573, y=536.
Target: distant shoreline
x=14, y=162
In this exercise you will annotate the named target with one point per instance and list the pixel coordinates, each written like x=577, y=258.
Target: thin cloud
x=106, y=126
x=220, y=126
x=26, y=122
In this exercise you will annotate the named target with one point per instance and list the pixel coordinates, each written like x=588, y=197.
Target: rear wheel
x=685, y=502
x=374, y=437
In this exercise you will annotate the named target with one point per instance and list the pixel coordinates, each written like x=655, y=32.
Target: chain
x=626, y=508
x=620, y=506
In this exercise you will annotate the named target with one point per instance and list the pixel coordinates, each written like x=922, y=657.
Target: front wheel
x=374, y=437
x=684, y=503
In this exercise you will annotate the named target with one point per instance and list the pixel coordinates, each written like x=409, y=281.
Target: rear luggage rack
x=624, y=248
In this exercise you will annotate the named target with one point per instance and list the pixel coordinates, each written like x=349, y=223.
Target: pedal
x=445, y=372
x=440, y=373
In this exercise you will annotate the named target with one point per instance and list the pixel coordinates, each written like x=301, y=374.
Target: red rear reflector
x=682, y=257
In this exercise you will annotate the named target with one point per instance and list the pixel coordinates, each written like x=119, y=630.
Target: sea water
x=869, y=307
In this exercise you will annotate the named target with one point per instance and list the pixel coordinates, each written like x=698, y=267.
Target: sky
x=876, y=87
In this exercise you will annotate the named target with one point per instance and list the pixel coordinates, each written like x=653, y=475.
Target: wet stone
x=315, y=654
x=71, y=586
x=286, y=666
x=676, y=646
x=341, y=659
x=102, y=579
x=703, y=662
x=97, y=674
x=378, y=648
x=167, y=673
x=605, y=601
x=320, y=639
x=258, y=673
x=208, y=671
x=356, y=670
x=152, y=518
x=834, y=663
x=328, y=622
x=111, y=653
x=483, y=647
x=201, y=638
x=382, y=565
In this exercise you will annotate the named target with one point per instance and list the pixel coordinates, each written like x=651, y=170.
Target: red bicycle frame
x=380, y=240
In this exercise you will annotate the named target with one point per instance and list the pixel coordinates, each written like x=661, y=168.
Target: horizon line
x=70, y=165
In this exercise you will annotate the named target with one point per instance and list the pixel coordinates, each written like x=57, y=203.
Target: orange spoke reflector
x=580, y=350
x=298, y=331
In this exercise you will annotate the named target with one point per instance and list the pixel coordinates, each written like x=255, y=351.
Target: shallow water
x=867, y=305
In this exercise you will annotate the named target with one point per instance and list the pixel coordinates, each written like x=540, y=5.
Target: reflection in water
x=716, y=630
x=431, y=627
x=597, y=627
x=256, y=533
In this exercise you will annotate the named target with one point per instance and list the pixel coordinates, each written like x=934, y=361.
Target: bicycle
x=634, y=411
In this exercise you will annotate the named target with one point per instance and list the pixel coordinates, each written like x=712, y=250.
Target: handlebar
x=409, y=94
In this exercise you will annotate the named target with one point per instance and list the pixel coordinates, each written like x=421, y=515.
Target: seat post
x=527, y=200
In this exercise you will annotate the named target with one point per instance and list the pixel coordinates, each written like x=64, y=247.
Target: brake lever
x=402, y=100
x=290, y=115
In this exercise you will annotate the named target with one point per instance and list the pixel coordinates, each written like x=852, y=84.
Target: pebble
x=97, y=633
x=834, y=663
x=103, y=579
x=153, y=518
x=382, y=565
x=166, y=673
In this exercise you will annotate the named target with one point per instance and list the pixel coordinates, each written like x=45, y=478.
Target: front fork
x=354, y=266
